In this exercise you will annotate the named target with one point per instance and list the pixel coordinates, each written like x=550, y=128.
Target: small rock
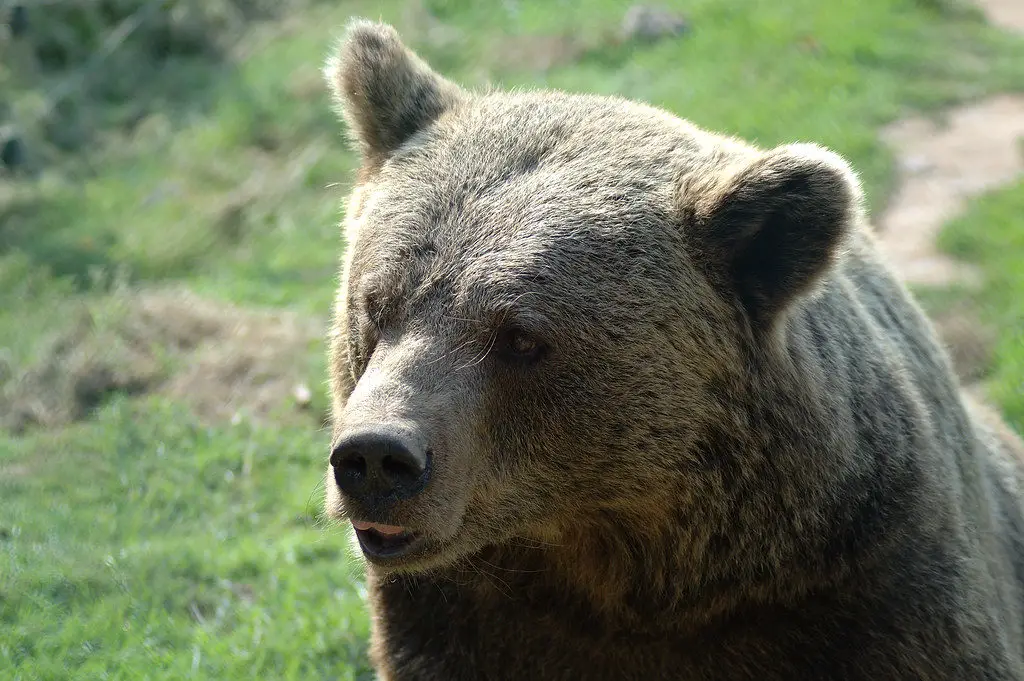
x=649, y=23
x=18, y=21
x=12, y=153
x=915, y=165
x=303, y=395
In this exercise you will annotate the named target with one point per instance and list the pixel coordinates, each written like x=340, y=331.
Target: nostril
x=350, y=468
x=398, y=469
x=354, y=466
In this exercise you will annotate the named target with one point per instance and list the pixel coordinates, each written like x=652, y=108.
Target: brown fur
x=739, y=452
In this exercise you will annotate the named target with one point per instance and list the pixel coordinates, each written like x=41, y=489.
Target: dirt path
x=1006, y=13
x=942, y=166
x=975, y=149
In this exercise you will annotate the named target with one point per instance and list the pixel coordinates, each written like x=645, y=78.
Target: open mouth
x=385, y=541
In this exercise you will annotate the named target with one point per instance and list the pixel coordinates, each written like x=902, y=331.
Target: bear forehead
x=541, y=166
x=518, y=233
x=509, y=191
x=490, y=137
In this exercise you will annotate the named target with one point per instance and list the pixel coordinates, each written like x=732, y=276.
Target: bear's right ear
x=384, y=91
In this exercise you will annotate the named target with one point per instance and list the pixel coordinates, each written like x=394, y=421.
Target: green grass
x=991, y=235
x=144, y=543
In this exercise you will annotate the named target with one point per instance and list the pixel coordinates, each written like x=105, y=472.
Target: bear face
x=547, y=304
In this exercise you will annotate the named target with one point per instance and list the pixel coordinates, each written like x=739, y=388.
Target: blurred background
x=170, y=179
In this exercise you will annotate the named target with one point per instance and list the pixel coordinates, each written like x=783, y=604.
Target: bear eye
x=520, y=346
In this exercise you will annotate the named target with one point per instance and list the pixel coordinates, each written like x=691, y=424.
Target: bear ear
x=384, y=91
x=772, y=227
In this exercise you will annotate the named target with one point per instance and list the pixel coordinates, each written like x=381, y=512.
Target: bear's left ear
x=772, y=227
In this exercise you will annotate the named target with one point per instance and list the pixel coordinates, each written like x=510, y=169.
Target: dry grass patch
x=221, y=359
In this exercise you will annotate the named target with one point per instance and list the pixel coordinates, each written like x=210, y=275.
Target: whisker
x=476, y=361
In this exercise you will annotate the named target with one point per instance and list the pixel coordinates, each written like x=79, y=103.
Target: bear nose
x=376, y=466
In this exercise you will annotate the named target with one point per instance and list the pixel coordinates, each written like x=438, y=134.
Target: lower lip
x=381, y=546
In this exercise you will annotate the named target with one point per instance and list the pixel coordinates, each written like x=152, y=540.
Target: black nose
x=375, y=466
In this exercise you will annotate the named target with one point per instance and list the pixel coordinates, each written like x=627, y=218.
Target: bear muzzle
x=375, y=469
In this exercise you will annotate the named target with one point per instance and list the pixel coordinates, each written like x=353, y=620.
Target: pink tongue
x=377, y=527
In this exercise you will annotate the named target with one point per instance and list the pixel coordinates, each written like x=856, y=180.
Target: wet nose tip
x=372, y=465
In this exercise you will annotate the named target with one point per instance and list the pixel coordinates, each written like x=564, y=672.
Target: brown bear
x=618, y=398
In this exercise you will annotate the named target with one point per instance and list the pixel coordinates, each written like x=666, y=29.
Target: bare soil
x=1006, y=13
